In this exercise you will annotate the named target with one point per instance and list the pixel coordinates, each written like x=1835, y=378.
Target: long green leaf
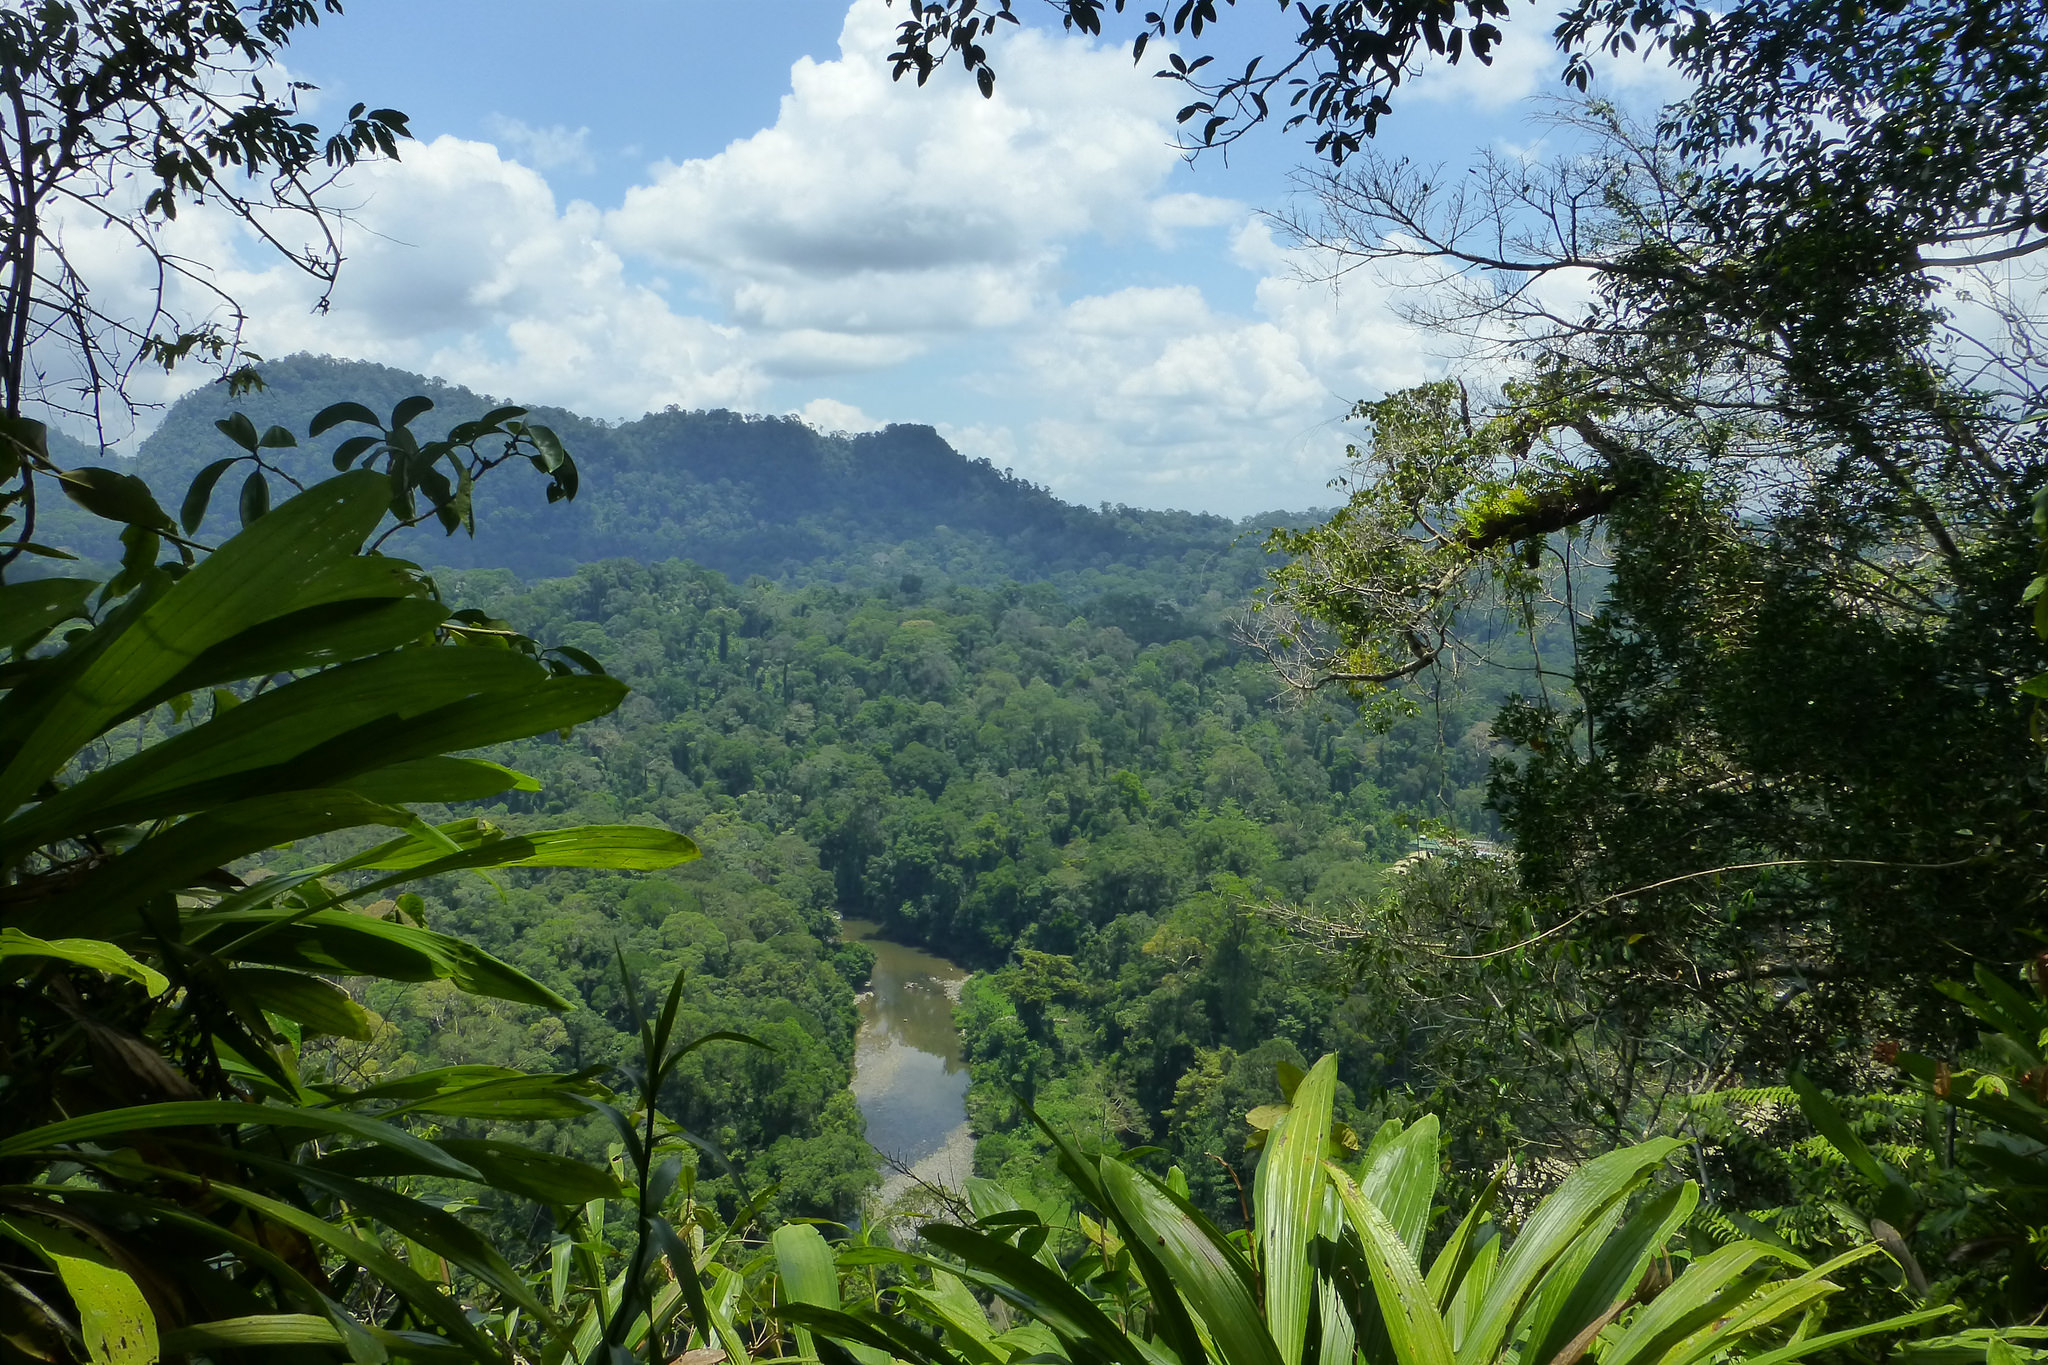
x=105, y=905
x=351, y=944
x=255, y=1333
x=1828, y=1341
x=322, y=731
x=142, y=1118
x=371, y=605
x=640, y=848
x=113, y=1317
x=1587, y=1199
x=1400, y=1179
x=524, y=1171
x=1415, y=1329
x=256, y=576
x=1609, y=1276
x=1026, y=1284
x=1203, y=1269
x=408, y=1284
x=1289, y=1195
x=1710, y=1288
x=29, y=610
x=1828, y=1121
x=436, y=1229
x=97, y=954
x=1447, y=1271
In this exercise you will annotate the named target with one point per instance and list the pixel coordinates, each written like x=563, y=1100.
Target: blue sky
x=617, y=205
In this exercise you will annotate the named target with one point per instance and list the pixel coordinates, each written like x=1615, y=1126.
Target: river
x=908, y=1075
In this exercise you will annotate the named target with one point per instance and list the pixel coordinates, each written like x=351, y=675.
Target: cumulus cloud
x=874, y=226
x=1526, y=63
x=1154, y=396
x=831, y=415
x=462, y=264
x=874, y=210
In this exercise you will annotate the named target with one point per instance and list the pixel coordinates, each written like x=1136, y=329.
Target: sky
x=620, y=205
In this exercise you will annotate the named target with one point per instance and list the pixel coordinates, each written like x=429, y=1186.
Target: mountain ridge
x=745, y=495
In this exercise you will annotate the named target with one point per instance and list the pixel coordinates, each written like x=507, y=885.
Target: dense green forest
x=999, y=773
x=1576, y=902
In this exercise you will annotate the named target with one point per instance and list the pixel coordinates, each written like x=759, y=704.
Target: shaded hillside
x=744, y=495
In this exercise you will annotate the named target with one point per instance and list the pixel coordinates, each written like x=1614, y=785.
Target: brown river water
x=908, y=1075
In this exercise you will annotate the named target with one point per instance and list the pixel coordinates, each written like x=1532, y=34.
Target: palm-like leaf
x=1570, y=1283
x=219, y=1202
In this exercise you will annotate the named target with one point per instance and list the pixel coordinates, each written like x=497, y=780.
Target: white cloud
x=831, y=415
x=1171, y=214
x=872, y=209
x=1160, y=399
x=1526, y=63
x=462, y=265
x=554, y=147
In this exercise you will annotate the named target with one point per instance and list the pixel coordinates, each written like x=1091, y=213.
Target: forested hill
x=743, y=495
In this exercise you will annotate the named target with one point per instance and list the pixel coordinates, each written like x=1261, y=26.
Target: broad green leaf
x=1587, y=1200
x=1573, y=1302
x=1026, y=1284
x=255, y=499
x=200, y=493
x=725, y=1292
x=1400, y=1179
x=319, y=1005
x=948, y=1305
x=809, y=1274
x=406, y=409
x=1709, y=1289
x=230, y=591
x=113, y=1317
x=115, y=496
x=237, y=427
x=985, y=1197
x=343, y=942
x=1289, y=1200
x=254, y=1333
x=85, y=952
x=1208, y=1276
x=334, y=414
x=21, y=438
x=29, y=610
x=419, y=1295
x=1414, y=1327
x=142, y=1118
x=518, y=1169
